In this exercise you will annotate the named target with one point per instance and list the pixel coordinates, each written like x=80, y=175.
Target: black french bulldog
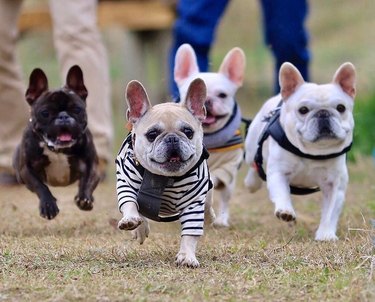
x=57, y=147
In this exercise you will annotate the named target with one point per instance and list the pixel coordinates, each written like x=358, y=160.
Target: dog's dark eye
x=44, y=113
x=341, y=108
x=77, y=110
x=152, y=135
x=188, y=132
x=303, y=110
x=222, y=95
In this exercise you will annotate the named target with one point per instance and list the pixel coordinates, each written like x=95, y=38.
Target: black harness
x=153, y=185
x=274, y=129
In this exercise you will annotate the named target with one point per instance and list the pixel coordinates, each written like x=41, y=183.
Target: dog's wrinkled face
x=318, y=119
x=58, y=116
x=168, y=137
x=221, y=86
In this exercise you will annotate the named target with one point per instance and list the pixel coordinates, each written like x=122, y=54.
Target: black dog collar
x=274, y=129
x=153, y=185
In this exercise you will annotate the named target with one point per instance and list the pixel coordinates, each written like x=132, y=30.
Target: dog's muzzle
x=64, y=119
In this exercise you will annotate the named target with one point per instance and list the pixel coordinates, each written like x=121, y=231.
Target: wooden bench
x=146, y=24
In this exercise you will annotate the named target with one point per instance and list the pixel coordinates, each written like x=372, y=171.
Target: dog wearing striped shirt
x=161, y=168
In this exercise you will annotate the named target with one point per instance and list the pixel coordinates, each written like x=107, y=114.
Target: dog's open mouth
x=212, y=119
x=64, y=138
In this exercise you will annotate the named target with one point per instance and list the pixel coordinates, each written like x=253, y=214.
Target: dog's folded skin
x=222, y=121
x=318, y=121
x=166, y=142
x=57, y=148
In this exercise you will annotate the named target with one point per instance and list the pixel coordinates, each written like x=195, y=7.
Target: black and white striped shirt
x=186, y=196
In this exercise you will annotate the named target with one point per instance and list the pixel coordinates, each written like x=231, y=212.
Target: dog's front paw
x=129, y=222
x=84, y=203
x=48, y=209
x=141, y=232
x=325, y=235
x=186, y=259
x=286, y=215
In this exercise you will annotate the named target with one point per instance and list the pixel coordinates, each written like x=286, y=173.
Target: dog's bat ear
x=233, y=66
x=345, y=77
x=289, y=79
x=185, y=63
x=38, y=83
x=74, y=81
x=195, y=99
x=138, y=101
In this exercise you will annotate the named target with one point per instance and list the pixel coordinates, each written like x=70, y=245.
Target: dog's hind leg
x=142, y=231
x=223, y=196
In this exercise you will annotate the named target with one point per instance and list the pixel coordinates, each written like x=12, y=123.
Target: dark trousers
x=284, y=31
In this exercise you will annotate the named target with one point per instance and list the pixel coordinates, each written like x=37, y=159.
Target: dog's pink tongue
x=209, y=120
x=65, y=137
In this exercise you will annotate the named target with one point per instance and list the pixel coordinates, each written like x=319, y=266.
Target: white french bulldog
x=317, y=120
x=221, y=135
x=164, y=157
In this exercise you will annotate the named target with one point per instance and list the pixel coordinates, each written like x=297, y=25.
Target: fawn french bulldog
x=308, y=129
x=57, y=148
x=162, y=172
x=221, y=125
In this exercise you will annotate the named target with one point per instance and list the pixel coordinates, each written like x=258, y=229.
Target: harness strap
x=148, y=198
x=274, y=129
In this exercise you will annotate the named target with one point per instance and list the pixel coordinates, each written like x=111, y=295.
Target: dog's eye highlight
x=222, y=95
x=44, y=113
x=303, y=110
x=341, y=108
x=188, y=132
x=152, y=135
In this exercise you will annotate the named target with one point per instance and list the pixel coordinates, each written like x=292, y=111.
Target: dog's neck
x=222, y=136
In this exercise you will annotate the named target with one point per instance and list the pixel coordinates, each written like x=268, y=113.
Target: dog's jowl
x=57, y=147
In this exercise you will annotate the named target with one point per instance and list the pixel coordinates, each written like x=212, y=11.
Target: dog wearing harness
x=298, y=145
x=161, y=168
x=164, y=198
x=274, y=129
x=222, y=123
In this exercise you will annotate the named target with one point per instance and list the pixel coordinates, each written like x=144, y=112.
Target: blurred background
x=340, y=31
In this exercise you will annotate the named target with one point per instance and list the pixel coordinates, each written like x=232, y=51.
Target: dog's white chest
x=58, y=171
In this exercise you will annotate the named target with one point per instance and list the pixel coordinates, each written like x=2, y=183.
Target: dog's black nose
x=323, y=114
x=63, y=118
x=172, y=141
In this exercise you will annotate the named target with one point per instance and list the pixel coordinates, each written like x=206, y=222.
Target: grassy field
x=80, y=256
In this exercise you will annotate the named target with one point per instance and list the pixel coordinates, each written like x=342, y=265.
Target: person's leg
x=77, y=40
x=285, y=34
x=14, y=109
x=196, y=24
